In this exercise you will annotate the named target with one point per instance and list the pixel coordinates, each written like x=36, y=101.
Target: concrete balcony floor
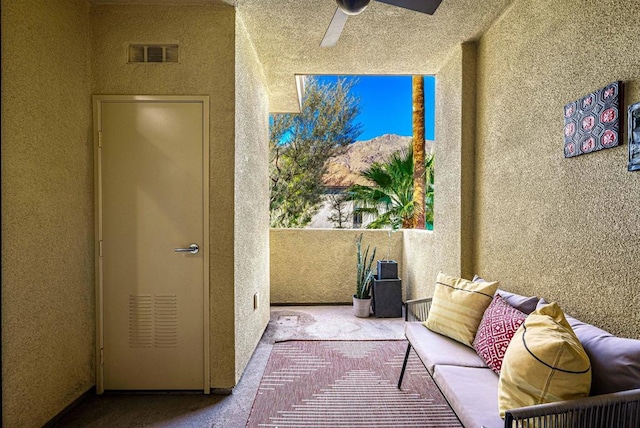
x=229, y=411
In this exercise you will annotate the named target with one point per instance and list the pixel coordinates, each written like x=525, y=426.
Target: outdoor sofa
x=472, y=388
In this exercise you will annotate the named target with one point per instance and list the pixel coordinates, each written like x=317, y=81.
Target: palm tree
x=390, y=197
x=428, y=199
x=418, y=152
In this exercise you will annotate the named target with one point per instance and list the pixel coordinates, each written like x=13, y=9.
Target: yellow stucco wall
x=419, y=263
x=47, y=209
x=565, y=229
x=251, y=206
x=206, y=35
x=319, y=265
x=454, y=154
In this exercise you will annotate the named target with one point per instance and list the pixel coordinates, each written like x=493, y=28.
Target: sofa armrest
x=417, y=310
x=618, y=409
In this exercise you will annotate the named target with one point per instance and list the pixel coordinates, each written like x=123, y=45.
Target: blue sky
x=385, y=104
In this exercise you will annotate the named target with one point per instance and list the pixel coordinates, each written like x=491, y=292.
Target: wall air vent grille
x=153, y=53
x=166, y=321
x=141, y=321
x=153, y=321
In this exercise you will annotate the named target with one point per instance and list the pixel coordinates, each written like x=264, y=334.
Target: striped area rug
x=347, y=384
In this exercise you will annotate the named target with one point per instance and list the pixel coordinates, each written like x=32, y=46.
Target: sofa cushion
x=472, y=393
x=544, y=363
x=526, y=304
x=435, y=349
x=499, y=323
x=457, y=307
x=615, y=361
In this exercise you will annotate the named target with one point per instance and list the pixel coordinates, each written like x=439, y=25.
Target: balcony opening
x=346, y=160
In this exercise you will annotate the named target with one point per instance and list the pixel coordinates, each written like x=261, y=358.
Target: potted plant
x=362, y=298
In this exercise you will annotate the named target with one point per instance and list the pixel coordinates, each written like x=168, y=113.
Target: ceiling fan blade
x=424, y=6
x=335, y=29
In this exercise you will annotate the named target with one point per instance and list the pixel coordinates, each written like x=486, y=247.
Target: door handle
x=193, y=249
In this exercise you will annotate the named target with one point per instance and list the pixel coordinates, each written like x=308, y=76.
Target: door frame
x=98, y=100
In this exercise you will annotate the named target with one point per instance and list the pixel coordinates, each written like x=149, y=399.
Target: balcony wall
x=319, y=265
x=419, y=263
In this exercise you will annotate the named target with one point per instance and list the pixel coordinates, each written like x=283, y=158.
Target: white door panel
x=152, y=192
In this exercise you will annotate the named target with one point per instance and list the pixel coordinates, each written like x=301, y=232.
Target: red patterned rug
x=347, y=384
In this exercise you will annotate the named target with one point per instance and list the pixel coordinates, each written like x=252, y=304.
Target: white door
x=152, y=163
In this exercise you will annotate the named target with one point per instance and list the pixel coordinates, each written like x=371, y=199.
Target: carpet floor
x=347, y=384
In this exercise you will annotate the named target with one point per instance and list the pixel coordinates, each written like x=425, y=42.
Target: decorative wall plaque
x=634, y=137
x=592, y=123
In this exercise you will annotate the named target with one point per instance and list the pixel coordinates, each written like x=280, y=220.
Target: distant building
x=336, y=213
x=322, y=219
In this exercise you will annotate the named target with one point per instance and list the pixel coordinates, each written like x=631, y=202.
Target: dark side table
x=387, y=298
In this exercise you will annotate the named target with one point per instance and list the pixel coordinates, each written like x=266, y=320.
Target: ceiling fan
x=355, y=7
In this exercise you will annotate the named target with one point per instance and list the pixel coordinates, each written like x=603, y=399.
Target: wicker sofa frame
x=614, y=410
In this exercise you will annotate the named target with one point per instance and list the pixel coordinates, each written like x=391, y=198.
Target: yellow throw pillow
x=544, y=363
x=457, y=307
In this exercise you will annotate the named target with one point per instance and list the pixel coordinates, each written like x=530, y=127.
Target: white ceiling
x=384, y=39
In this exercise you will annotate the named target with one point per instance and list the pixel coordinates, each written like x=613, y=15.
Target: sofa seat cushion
x=472, y=393
x=435, y=349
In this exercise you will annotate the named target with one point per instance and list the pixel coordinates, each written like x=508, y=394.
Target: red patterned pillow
x=499, y=323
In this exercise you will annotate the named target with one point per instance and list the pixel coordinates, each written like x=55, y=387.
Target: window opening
x=322, y=159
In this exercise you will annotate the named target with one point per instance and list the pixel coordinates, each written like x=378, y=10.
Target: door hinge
x=99, y=138
x=100, y=248
x=102, y=356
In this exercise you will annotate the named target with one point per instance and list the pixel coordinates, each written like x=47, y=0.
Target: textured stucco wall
x=565, y=229
x=47, y=209
x=251, y=199
x=419, y=263
x=206, y=35
x=319, y=265
x=467, y=157
x=454, y=154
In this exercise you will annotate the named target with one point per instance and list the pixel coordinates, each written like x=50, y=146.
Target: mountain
x=344, y=169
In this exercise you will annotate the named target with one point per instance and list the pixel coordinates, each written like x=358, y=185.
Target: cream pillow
x=544, y=363
x=457, y=307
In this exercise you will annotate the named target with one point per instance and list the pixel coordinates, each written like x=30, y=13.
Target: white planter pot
x=361, y=307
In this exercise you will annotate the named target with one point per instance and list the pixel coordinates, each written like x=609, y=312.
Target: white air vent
x=153, y=321
x=141, y=321
x=153, y=53
x=166, y=321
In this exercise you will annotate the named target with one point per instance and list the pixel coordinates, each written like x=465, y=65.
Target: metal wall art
x=592, y=123
x=634, y=137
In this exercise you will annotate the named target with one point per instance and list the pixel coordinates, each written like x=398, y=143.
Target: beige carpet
x=346, y=384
